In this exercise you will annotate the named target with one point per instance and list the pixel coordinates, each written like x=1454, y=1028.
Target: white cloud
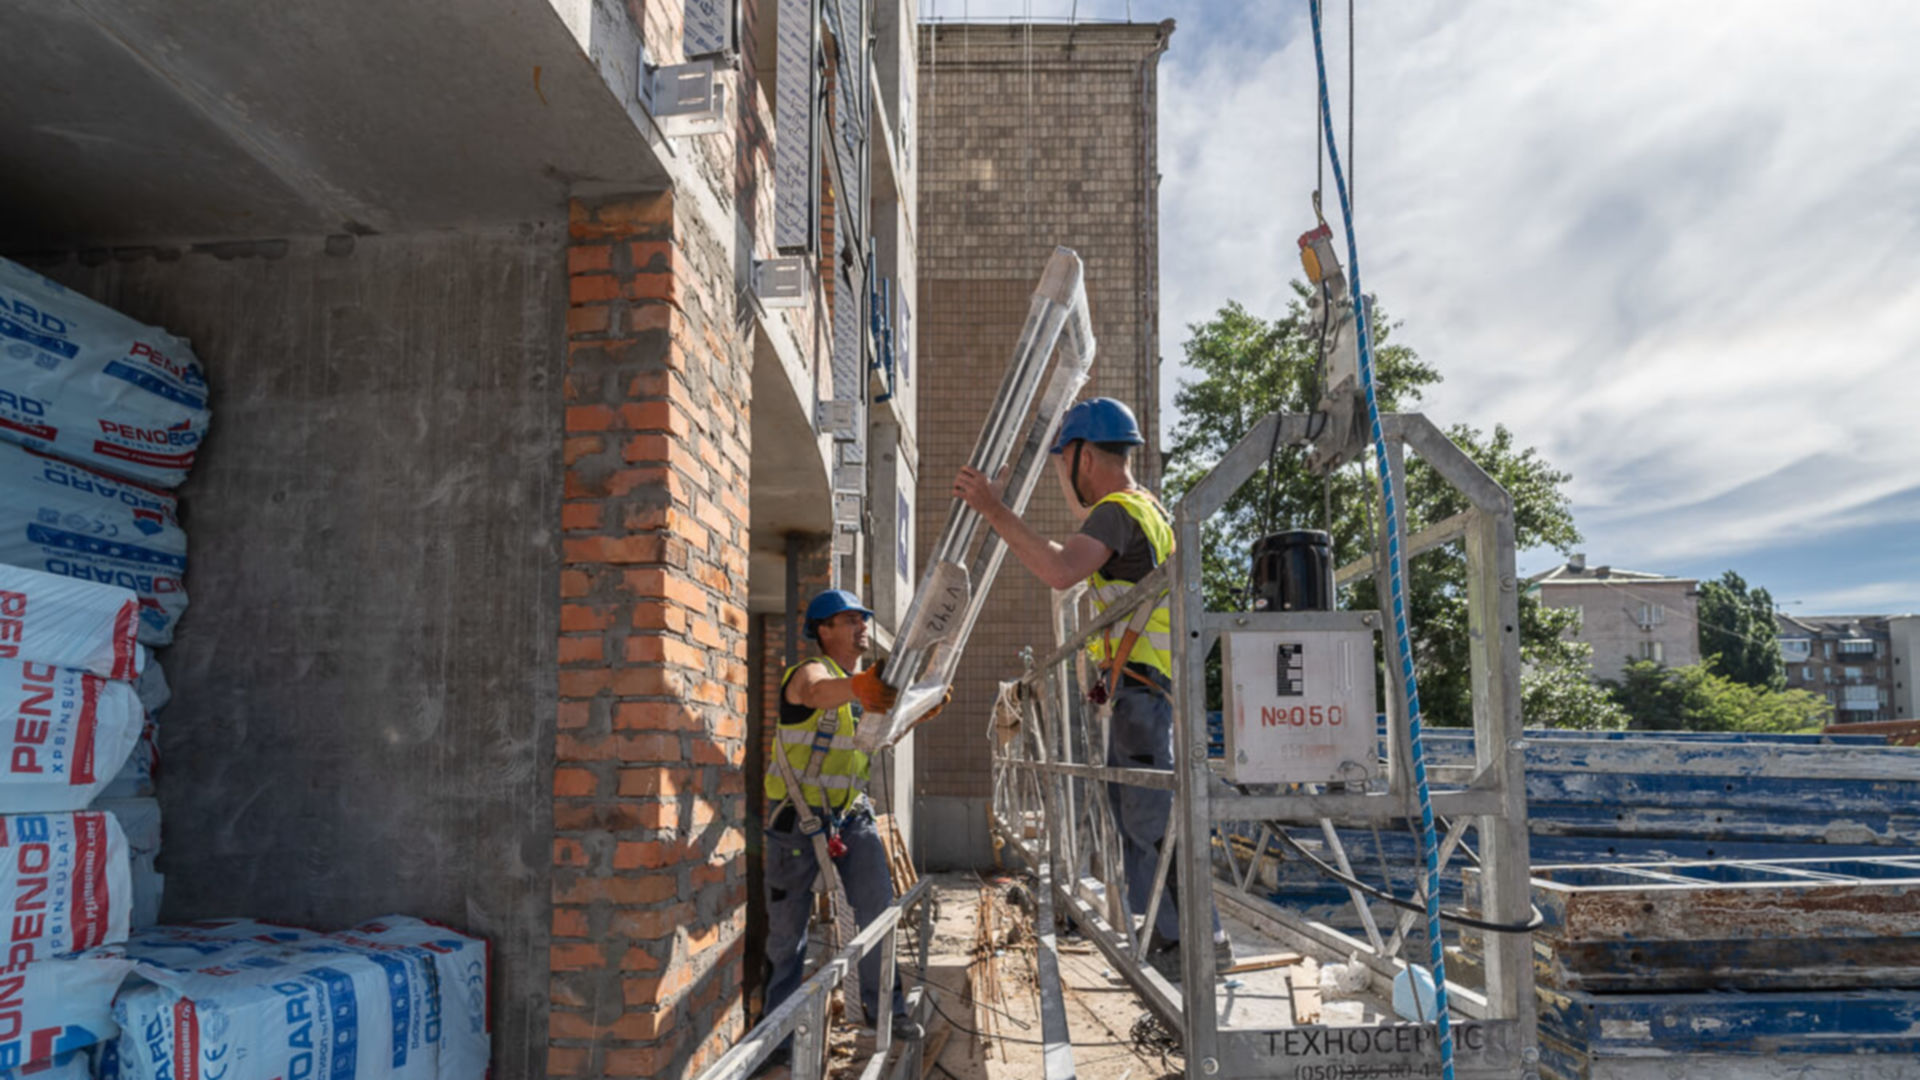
x=1675, y=246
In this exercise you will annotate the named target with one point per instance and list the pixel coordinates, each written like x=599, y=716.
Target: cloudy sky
x=1674, y=246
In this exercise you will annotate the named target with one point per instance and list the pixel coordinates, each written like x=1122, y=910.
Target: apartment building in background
x=1861, y=664
x=1626, y=615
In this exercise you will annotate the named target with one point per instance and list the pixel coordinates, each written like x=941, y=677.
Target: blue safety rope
x=1403, y=641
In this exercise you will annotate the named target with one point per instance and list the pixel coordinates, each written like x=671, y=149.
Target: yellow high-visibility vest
x=1154, y=647
x=844, y=773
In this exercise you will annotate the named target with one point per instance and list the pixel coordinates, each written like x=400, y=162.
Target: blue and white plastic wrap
x=71, y=521
x=83, y=381
x=393, y=998
x=49, y=619
x=52, y=1011
x=63, y=883
x=64, y=735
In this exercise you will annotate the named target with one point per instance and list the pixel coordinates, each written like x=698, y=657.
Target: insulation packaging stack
x=102, y=416
x=68, y=658
x=244, y=1000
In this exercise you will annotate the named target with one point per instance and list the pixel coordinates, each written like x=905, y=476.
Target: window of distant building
x=1654, y=651
x=1795, y=650
x=1853, y=672
x=1651, y=615
x=1858, y=647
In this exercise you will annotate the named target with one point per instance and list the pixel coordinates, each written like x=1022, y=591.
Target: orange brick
x=592, y=288
x=648, y=682
x=566, y=1061
x=573, y=715
x=651, y=255
x=649, y=854
x=589, y=320
x=571, y=957
x=648, y=648
x=657, y=782
x=659, y=615
x=579, y=618
x=655, y=716
x=656, y=416
x=569, y=922
x=579, y=649
x=627, y=889
x=568, y=852
x=614, y=549
x=651, y=924
x=589, y=418
x=581, y=446
x=580, y=516
x=667, y=585
x=587, y=258
x=576, y=583
x=581, y=683
x=574, y=783
x=656, y=989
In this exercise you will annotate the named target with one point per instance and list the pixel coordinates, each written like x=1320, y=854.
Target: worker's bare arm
x=816, y=688
x=1060, y=565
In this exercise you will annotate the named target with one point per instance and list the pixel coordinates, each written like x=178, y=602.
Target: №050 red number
x=1303, y=716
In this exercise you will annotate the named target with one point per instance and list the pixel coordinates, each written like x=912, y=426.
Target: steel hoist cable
x=1403, y=642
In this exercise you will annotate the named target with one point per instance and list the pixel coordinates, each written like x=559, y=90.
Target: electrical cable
x=1458, y=918
x=1403, y=637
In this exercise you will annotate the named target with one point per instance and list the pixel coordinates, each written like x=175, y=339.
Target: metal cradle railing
x=1051, y=782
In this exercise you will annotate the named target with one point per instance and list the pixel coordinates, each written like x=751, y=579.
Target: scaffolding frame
x=1050, y=803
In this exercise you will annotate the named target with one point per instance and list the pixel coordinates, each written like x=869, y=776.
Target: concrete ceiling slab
x=150, y=121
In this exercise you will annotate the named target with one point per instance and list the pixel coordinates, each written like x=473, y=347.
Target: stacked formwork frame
x=1050, y=795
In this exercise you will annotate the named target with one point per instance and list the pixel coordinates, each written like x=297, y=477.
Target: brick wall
x=1000, y=184
x=649, y=783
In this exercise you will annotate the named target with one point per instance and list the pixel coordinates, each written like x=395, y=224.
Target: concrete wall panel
x=364, y=685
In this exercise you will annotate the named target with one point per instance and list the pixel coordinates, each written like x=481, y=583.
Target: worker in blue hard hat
x=818, y=809
x=1124, y=534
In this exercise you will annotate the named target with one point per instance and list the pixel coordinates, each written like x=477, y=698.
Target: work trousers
x=1141, y=737
x=791, y=868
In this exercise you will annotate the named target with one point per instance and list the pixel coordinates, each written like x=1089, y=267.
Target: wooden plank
x=1264, y=963
x=1303, y=982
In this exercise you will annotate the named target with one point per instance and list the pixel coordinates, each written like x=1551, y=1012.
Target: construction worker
x=1124, y=534
x=821, y=701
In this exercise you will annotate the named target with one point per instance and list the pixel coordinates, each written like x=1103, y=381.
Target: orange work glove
x=874, y=695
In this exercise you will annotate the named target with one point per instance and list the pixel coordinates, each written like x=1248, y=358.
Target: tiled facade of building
x=1031, y=136
x=1861, y=664
x=1626, y=615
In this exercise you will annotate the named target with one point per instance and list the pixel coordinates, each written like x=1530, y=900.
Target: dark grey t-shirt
x=1132, y=552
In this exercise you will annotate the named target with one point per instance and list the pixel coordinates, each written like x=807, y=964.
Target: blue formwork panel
x=1581, y=1033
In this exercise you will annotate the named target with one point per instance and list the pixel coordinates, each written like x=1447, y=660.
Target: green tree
x=1738, y=634
x=1698, y=698
x=1246, y=367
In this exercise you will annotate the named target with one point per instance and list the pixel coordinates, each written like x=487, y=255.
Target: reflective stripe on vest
x=1154, y=648
x=843, y=774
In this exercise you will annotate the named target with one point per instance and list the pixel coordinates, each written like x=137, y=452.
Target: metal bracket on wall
x=781, y=282
x=683, y=99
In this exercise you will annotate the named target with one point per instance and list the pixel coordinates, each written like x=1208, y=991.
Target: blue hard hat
x=830, y=603
x=1099, y=420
